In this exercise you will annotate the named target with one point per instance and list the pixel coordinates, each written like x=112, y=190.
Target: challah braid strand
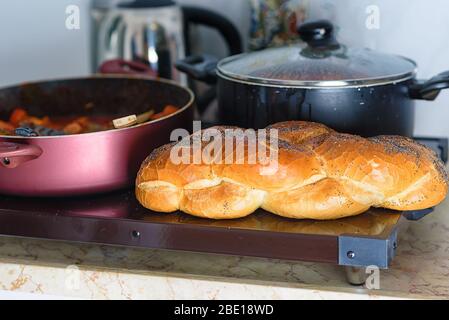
x=321, y=174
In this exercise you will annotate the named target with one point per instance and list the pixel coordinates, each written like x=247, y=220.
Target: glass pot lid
x=322, y=62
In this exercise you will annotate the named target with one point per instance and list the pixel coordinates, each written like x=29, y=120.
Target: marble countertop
x=72, y=270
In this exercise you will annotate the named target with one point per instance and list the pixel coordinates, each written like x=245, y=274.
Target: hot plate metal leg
x=355, y=275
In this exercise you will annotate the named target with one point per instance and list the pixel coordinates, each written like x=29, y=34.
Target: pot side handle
x=430, y=89
x=14, y=154
x=203, y=68
x=199, y=67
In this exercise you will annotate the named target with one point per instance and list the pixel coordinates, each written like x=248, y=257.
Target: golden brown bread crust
x=371, y=223
x=321, y=174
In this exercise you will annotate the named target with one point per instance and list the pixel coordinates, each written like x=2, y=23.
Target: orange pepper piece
x=157, y=115
x=83, y=121
x=73, y=128
x=6, y=126
x=168, y=109
x=17, y=116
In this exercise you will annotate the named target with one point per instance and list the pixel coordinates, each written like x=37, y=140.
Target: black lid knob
x=318, y=33
x=141, y=4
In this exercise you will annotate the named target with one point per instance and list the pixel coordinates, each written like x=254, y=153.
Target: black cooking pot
x=358, y=91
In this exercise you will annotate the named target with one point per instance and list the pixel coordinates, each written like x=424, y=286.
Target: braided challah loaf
x=320, y=174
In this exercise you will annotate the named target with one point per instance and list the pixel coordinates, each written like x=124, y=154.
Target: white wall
x=35, y=44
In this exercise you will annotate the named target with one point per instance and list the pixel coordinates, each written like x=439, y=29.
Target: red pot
x=94, y=162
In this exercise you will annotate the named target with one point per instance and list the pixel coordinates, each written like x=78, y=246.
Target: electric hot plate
x=118, y=219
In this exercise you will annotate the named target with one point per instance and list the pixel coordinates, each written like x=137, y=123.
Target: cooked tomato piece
x=73, y=128
x=169, y=109
x=17, y=116
x=6, y=126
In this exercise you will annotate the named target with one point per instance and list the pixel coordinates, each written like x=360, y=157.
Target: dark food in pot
x=22, y=124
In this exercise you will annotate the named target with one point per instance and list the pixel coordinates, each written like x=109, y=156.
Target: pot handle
x=429, y=90
x=120, y=66
x=14, y=154
x=199, y=67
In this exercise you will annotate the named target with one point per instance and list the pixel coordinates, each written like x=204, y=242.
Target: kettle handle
x=195, y=15
x=231, y=35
